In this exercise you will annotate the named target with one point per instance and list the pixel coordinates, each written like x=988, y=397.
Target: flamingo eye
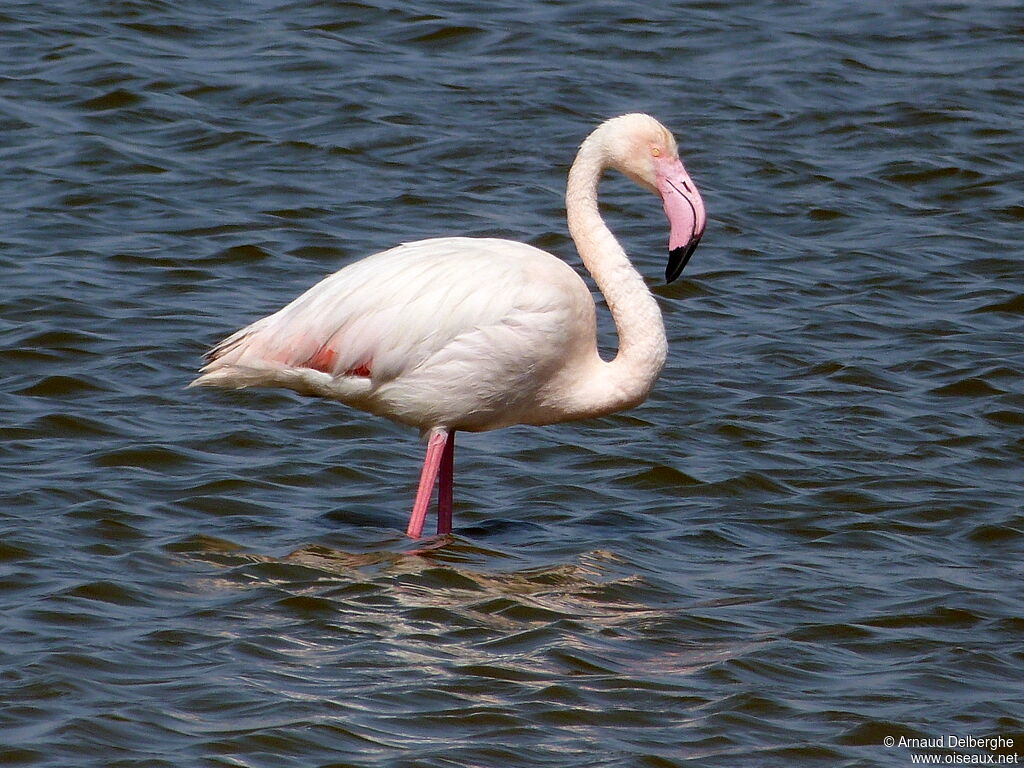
x=656, y=151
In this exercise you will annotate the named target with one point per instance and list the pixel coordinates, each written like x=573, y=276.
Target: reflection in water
x=443, y=618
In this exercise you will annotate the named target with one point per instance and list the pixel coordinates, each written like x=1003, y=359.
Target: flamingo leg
x=431, y=464
x=446, y=486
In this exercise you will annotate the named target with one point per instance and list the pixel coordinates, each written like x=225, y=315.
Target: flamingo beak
x=685, y=210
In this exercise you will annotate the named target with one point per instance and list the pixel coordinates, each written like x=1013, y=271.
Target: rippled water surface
x=809, y=539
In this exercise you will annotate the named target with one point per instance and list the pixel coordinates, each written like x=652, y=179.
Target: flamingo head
x=645, y=151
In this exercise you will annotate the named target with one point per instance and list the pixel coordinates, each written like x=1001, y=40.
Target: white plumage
x=474, y=334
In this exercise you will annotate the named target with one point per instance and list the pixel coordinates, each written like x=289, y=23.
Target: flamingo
x=474, y=334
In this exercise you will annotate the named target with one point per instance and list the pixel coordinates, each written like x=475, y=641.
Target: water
x=808, y=540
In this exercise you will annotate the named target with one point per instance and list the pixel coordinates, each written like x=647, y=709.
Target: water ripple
x=806, y=541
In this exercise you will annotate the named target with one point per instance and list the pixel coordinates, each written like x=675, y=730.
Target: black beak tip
x=677, y=259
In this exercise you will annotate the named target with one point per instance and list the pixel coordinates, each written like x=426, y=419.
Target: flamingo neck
x=626, y=380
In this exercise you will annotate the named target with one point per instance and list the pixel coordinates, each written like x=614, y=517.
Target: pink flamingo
x=475, y=334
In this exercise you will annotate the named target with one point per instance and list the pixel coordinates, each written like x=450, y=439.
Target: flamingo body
x=474, y=334
x=405, y=334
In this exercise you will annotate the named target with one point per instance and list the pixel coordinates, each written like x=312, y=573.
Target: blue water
x=808, y=540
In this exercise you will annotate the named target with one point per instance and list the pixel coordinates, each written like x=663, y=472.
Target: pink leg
x=431, y=464
x=445, y=489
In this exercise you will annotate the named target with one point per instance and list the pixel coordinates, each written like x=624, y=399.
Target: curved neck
x=628, y=378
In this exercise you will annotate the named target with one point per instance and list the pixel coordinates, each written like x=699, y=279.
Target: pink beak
x=685, y=210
